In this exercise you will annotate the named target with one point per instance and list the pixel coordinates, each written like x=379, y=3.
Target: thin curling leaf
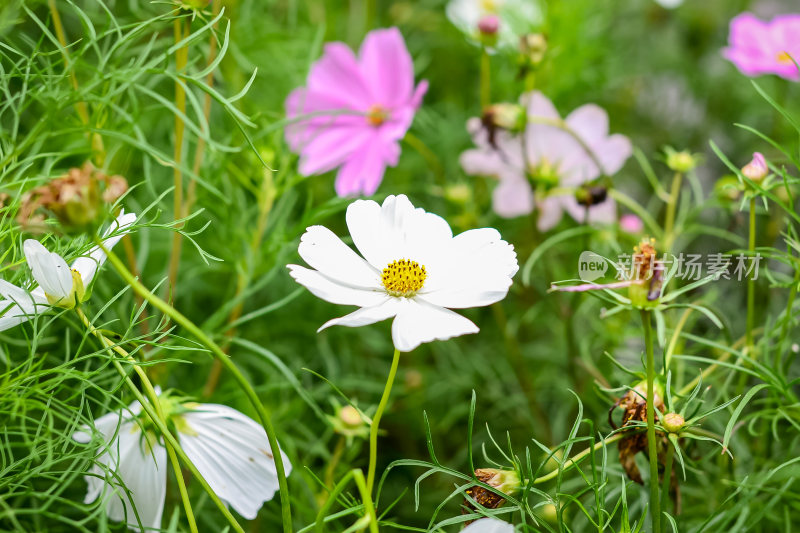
x=735, y=416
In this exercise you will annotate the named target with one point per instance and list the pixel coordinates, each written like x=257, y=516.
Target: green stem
x=655, y=504
x=579, y=457
x=373, y=429
x=187, y=324
x=672, y=205
x=486, y=79
x=181, y=59
x=153, y=396
x=366, y=497
x=751, y=287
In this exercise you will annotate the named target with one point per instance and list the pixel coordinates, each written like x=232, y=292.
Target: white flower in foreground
x=489, y=525
x=230, y=450
x=59, y=284
x=413, y=269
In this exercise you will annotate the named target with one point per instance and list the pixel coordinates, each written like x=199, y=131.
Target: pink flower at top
x=547, y=157
x=757, y=47
x=354, y=110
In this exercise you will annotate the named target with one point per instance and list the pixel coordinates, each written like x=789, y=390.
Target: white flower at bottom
x=229, y=449
x=489, y=525
x=59, y=284
x=413, y=269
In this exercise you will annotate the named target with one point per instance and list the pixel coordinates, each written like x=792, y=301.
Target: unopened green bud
x=506, y=481
x=506, y=116
x=682, y=161
x=533, y=48
x=673, y=422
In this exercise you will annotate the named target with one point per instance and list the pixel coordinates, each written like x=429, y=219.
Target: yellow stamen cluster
x=644, y=256
x=403, y=277
x=784, y=58
x=376, y=115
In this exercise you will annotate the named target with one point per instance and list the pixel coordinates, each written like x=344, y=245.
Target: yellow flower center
x=376, y=115
x=489, y=6
x=76, y=295
x=785, y=58
x=403, y=277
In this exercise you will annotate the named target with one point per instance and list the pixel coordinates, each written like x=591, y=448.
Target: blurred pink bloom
x=546, y=149
x=489, y=25
x=631, y=224
x=757, y=47
x=360, y=108
x=757, y=169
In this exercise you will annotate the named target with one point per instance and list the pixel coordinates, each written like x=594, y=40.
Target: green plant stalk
x=652, y=450
x=373, y=429
x=578, y=458
x=787, y=320
x=181, y=58
x=366, y=497
x=672, y=206
x=751, y=287
x=486, y=79
x=153, y=396
x=204, y=339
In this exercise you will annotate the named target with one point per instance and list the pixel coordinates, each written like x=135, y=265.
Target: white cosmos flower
x=516, y=17
x=59, y=284
x=413, y=269
x=229, y=449
x=489, y=525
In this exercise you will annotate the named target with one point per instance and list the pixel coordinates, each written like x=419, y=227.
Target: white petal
x=332, y=291
x=87, y=265
x=418, y=322
x=18, y=306
x=475, y=270
x=366, y=315
x=232, y=453
x=49, y=269
x=324, y=251
x=395, y=230
x=145, y=476
x=488, y=525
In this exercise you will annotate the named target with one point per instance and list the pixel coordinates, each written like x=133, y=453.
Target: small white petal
x=19, y=305
x=87, y=265
x=364, y=223
x=232, y=453
x=325, y=252
x=366, y=315
x=488, y=525
x=419, y=321
x=49, y=269
x=333, y=291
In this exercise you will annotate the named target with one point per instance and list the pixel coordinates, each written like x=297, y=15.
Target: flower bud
x=682, y=161
x=631, y=224
x=589, y=195
x=349, y=422
x=533, y=47
x=649, y=271
x=460, y=193
x=757, y=169
x=728, y=190
x=488, y=28
x=673, y=422
x=505, y=481
x=505, y=116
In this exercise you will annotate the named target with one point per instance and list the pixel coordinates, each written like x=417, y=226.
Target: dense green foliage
x=546, y=367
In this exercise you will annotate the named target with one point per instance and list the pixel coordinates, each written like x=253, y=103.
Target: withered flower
x=77, y=199
x=505, y=481
x=634, y=404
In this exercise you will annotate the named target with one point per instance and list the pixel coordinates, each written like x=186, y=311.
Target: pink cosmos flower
x=547, y=155
x=758, y=47
x=354, y=110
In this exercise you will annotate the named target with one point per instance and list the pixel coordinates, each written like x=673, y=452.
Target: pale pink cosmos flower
x=548, y=151
x=757, y=47
x=756, y=169
x=357, y=109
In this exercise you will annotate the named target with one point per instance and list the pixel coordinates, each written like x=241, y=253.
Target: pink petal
x=513, y=197
x=338, y=74
x=387, y=67
x=590, y=122
x=604, y=213
x=550, y=213
x=483, y=162
x=332, y=147
x=363, y=171
x=301, y=102
x=539, y=105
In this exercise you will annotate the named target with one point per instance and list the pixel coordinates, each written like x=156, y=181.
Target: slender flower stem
x=373, y=429
x=672, y=206
x=204, y=339
x=655, y=504
x=181, y=58
x=486, y=78
x=578, y=458
x=366, y=497
x=751, y=287
x=153, y=397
